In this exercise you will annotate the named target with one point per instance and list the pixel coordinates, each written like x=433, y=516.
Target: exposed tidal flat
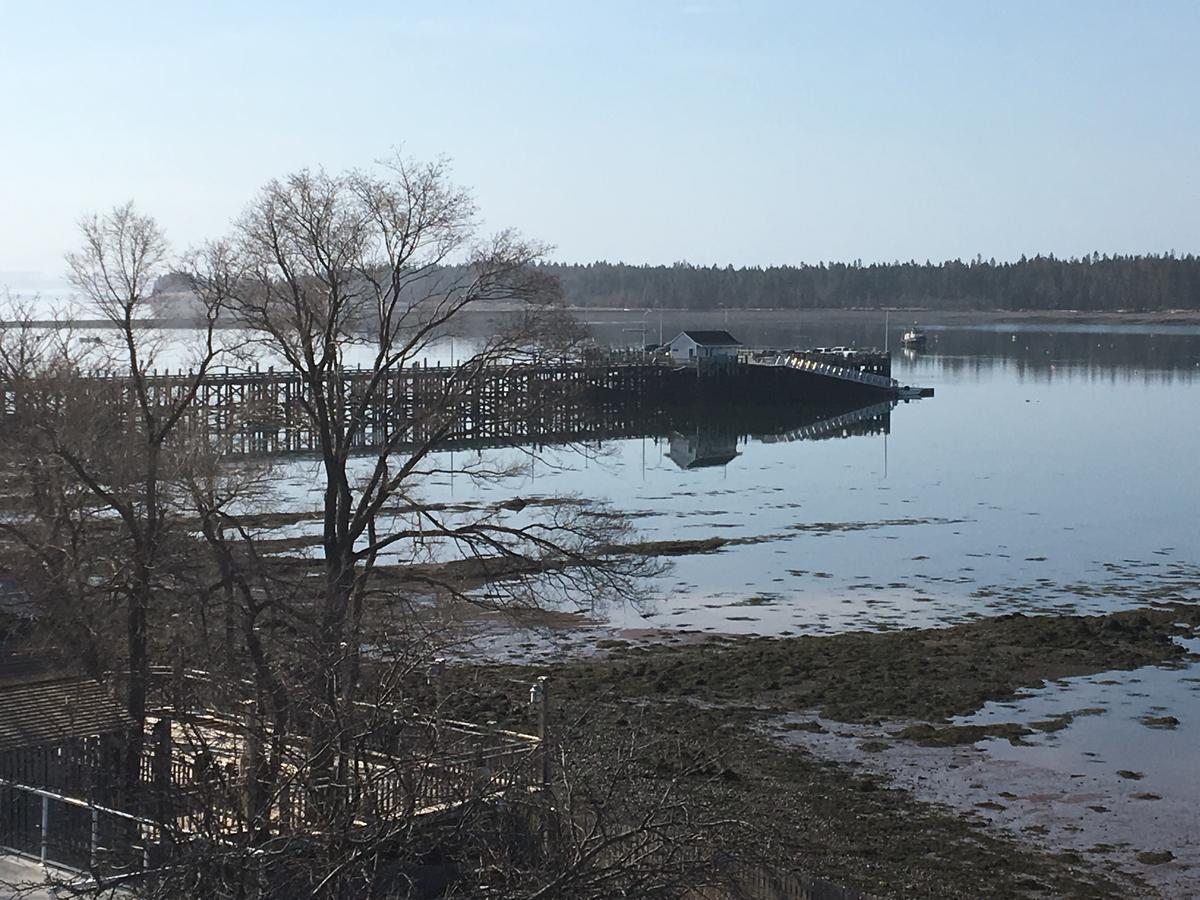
x=862, y=752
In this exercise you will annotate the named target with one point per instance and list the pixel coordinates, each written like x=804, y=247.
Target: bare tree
x=95, y=441
x=375, y=268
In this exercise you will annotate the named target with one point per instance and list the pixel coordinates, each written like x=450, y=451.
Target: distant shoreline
x=924, y=315
x=939, y=316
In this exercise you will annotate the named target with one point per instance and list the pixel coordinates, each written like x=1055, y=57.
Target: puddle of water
x=1104, y=783
x=1131, y=759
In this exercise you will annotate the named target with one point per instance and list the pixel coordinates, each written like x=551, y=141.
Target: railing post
x=94, y=853
x=437, y=669
x=539, y=695
x=285, y=806
x=45, y=826
x=160, y=766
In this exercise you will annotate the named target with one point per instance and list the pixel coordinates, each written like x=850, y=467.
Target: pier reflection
x=702, y=449
x=704, y=437
x=698, y=435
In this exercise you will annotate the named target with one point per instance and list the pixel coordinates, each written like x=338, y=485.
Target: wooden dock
x=559, y=401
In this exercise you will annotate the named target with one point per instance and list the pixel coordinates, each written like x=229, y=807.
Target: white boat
x=914, y=337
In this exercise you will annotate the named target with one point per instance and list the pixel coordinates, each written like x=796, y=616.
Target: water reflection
x=709, y=436
x=702, y=449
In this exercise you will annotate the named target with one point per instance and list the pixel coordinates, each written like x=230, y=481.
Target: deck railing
x=401, y=761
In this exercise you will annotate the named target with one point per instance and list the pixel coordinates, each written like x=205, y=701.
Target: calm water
x=1050, y=472
x=1054, y=470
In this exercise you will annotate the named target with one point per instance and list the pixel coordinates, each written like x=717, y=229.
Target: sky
x=743, y=133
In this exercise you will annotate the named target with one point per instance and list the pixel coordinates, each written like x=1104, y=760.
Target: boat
x=913, y=338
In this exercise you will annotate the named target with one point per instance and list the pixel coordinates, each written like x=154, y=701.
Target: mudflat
x=716, y=703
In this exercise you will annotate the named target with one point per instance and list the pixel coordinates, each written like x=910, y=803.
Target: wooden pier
x=562, y=401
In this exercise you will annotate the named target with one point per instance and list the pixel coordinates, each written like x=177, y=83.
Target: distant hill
x=1091, y=283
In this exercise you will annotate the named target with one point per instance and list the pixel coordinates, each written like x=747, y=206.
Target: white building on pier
x=688, y=346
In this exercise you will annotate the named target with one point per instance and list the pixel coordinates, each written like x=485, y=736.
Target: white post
x=45, y=826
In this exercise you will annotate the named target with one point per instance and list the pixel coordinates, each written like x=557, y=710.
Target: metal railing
x=843, y=373
x=75, y=834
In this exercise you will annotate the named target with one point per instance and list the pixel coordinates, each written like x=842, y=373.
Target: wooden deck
x=67, y=804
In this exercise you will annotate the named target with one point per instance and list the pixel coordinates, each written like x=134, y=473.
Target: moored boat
x=913, y=338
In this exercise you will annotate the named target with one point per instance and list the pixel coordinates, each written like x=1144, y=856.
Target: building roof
x=712, y=338
x=43, y=704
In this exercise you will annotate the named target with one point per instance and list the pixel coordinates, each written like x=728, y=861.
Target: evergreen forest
x=1092, y=283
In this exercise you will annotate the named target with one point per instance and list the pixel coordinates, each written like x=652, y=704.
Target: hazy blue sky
x=750, y=132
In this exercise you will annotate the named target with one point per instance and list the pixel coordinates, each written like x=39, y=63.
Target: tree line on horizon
x=1093, y=283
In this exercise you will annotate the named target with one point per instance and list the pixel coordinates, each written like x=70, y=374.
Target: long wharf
x=617, y=393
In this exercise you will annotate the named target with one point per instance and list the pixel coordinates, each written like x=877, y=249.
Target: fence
x=73, y=833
